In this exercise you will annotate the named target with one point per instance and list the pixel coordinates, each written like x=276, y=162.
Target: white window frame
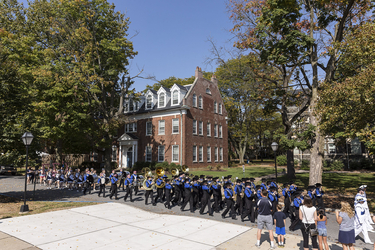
x=208, y=91
x=194, y=127
x=131, y=105
x=215, y=131
x=200, y=154
x=215, y=107
x=174, y=99
x=220, y=109
x=148, y=154
x=161, y=98
x=221, y=154
x=175, y=147
x=175, y=120
x=220, y=131
x=209, y=129
x=200, y=102
x=208, y=154
x=149, y=102
x=194, y=100
x=200, y=128
x=161, y=153
x=161, y=132
x=194, y=153
x=147, y=130
x=216, y=154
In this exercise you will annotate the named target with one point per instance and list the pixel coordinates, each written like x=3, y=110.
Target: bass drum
x=91, y=179
x=106, y=180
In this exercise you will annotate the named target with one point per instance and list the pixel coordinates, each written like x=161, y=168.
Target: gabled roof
x=127, y=137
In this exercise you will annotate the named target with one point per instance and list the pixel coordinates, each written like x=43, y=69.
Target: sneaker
x=258, y=246
x=273, y=247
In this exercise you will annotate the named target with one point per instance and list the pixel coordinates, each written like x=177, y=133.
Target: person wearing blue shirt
x=128, y=183
x=159, y=190
x=188, y=196
x=216, y=193
x=297, y=202
x=287, y=198
x=195, y=193
x=149, y=192
x=177, y=191
x=134, y=176
x=114, y=180
x=263, y=186
x=274, y=197
x=311, y=194
x=167, y=191
x=248, y=207
x=319, y=195
x=121, y=176
x=101, y=182
x=229, y=194
x=206, y=199
x=237, y=192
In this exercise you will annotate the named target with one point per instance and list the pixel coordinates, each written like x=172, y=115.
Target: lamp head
x=274, y=146
x=27, y=138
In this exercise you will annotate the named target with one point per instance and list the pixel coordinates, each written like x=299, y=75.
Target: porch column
x=133, y=150
x=120, y=156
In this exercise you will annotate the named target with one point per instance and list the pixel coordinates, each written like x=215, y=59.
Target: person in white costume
x=362, y=194
x=360, y=223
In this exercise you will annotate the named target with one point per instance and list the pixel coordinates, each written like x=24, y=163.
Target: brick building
x=184, y=124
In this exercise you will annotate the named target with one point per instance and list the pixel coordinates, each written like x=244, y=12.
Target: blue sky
x=173, y=35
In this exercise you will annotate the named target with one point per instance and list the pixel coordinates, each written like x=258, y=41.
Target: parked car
x=8, y=169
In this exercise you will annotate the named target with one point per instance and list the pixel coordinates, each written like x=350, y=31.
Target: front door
x=129, y=158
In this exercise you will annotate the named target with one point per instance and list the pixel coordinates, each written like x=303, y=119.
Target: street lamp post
x=27, y=138
x=274, y=147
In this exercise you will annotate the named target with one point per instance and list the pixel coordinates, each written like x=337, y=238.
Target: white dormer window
x=200, y=102
x=175, y=97
x=162, y=100
x=131, y=105
x=208, y=91
x=194, y=100
x=149, y=102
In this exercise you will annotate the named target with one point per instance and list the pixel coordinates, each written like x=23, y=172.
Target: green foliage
x=337, y=165
x=296, y=161
x=305, y=165
x=209, y=167
x=139, y=165
x=281, y=160
x=218, y=167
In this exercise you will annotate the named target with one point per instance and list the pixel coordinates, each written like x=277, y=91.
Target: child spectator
x=279, y=220
x=322, y=229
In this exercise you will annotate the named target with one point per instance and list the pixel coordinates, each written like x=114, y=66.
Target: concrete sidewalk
x=120, y=226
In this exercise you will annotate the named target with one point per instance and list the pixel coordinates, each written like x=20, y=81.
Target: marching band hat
x=298, y=193
x=247, y=184
x=318, y=185
x=272, y=188
x=228, y=184
x=310, y=187
x=252, y=179
x=150, y=176
x=285, y=184
x=273, y=179
x=291, y=182
x=264, y=179
x=201, y=176
x=204, y=182
x=229, y=176
x=196, y=176
x=257, y=186
x=208, y=177
x=268, y=182
x=225, y=177
x=243, y=179
x=167, y=180
x=238, y=181
x=363, y=187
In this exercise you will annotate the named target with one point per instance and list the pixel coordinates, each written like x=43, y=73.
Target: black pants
x=87, y=186
x=206, y=201
x=136, y=189
x=148, y=194
x=230, y=206
x=188, y=198
x=296, y=220
x=159, y=194
x=177, y=196
x=305, y=233
x=286, y=205
x=216, y=205
x=168, y=198
x=319, y=202
x=113, y=190
x=195, y=197
x=129, y=192
x=239, y=204
x=122, y=183
x=248, y=210
x=102, y=188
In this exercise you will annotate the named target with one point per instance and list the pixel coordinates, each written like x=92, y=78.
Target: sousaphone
x=159, y=172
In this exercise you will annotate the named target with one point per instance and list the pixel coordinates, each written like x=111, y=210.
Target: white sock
x=272, y=243
x=258, y=242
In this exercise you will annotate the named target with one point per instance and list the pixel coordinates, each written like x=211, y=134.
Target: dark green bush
x=305, y=165
x=337, y=165
x=281, y=160
x=367, y=164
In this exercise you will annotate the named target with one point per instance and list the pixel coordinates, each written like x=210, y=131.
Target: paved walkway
x=121, y=226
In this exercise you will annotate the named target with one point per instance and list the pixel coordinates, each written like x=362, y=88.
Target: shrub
x=305, y=165
x=336, y=165
x=218, y=167
x=281, y=160
x=355, y=165
x=367, y=163
x=296, y=161
x=209, y=167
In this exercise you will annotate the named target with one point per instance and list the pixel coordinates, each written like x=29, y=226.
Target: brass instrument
x=174, y=171
x=148, y=173
x=185, y=169
x=159, y=172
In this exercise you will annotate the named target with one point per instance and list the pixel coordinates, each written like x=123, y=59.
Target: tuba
x=185, y=169
x=174, y=171
x=159, y=172
x=147, y=172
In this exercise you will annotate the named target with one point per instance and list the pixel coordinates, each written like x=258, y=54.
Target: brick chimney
x=214, y=80
x=198, y=73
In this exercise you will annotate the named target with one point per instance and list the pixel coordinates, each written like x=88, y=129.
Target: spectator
x=345, y=218
x=279, y=220
x=307, y=214
x=322, y=229
x=265, y=218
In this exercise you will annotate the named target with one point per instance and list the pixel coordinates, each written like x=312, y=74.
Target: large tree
x=298, y=37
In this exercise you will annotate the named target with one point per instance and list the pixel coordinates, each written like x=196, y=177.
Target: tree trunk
x=107, y=156
x=290, y=164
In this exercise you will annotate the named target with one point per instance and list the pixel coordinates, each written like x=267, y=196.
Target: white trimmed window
x=131, y=127
x=208, y=91
x=174, y=153
x=208, y=129
x=220, y=109
x=221, y=154
x=208, y=154
x=162, y=100
x=200, y=102
x=220, y=131
x=194, y=127
x=149, y=102
x=162, y=127
x=114, y=153
x=148, y=128
x=200, y=155
x=215, y=130
x=175, y=97
x=131, y=105
x=175, y=126
x=194, y=153
x=215, y=107
x=194, y=100
x=161, y=153
x=200, y=128
x=216, y=154
x=148, y=154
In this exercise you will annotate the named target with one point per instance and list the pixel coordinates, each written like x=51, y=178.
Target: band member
x=70, y=180
x=206, y=199
x=229, y=195
x=110, y=177
x=188, y=196
x=128, y=182
x=159, y=190
x=80, y=182
x=217, y=195
x=177, y=191
x=273, y=196
x=360, y=220
x=101, y=182
x=134, y=176
x=195, y=193
x=264, y=184
x=87, y=182
x=237, y=191
x=311, y=194
x=319, y=195
x=122, y=177
x=297, y=202
x=149, y=192
x=168, y=194
x=114, y=180
x=287, y=199
x=248, y=207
